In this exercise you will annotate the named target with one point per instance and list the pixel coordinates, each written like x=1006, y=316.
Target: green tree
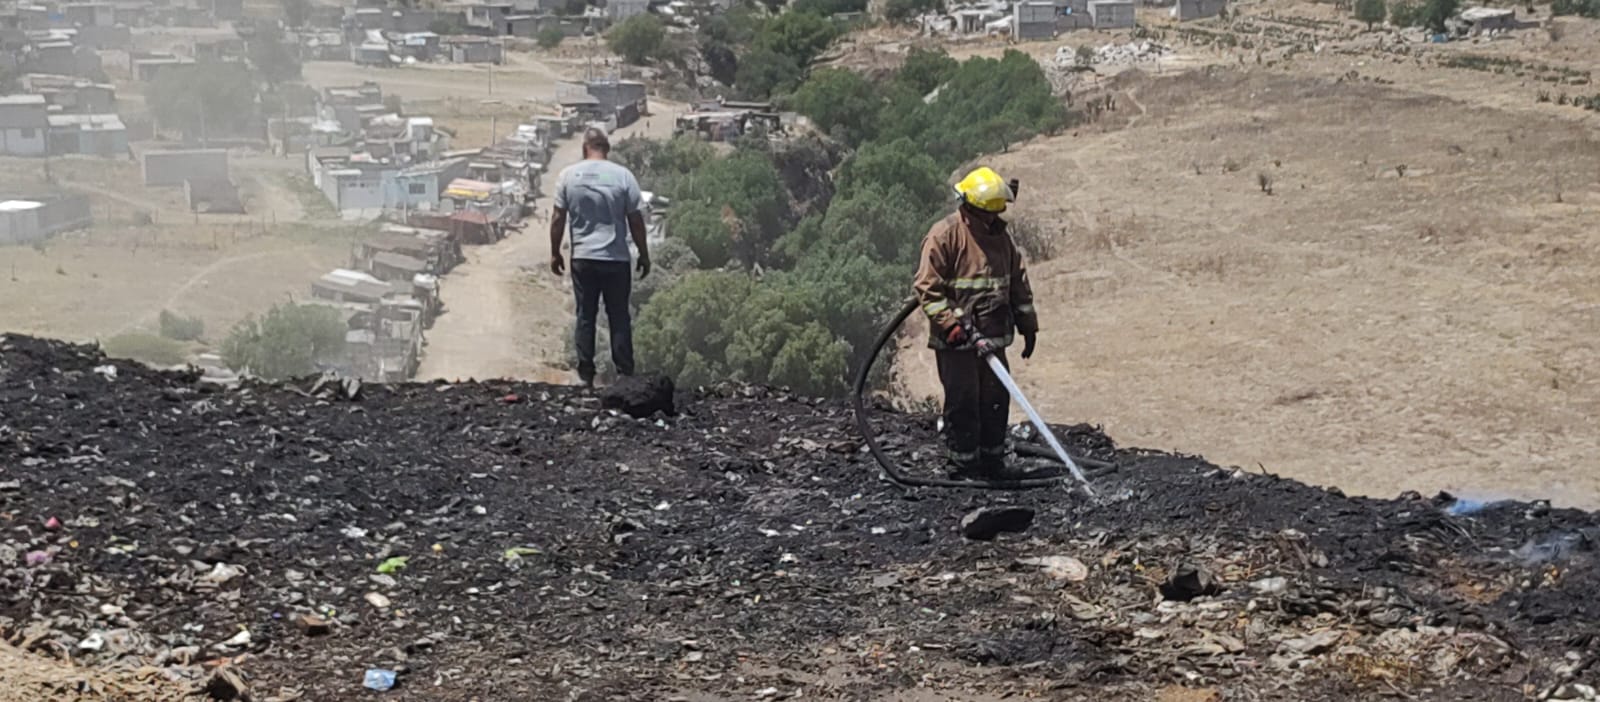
x=901, y=10
x=637, y=38
x=762, y=72
x=684, y=332
x=700, y=226
x=271, y=56
x=207, y=98
x=286, y=342
x=550, y=37
x=1435, y=12
x=296, y=12
x=841, y=103
x=798, y=35
x=901, y=162
x=926, y=69
x=1405, y=14
x=180, y=328
x=1371, y=11
x=747, y=184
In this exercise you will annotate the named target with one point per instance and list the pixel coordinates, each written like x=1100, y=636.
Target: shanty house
x=1185, y=10
x=354, y=189
x=90, y=14
x=1072, y=14
x=31, y=219
x=1111, y=14
x=170, y=168
x=71, y=94
x=619, y=10
x=473, y=50
x=91, y=135
x=1481, y=20
x=227, y=10
x=24, y=125
x=1033, y=20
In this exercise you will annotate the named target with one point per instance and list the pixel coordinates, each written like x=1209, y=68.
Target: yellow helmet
x=985, y=190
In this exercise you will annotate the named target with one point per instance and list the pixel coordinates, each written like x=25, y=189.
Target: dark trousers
x=976, y=407
x=611, y=281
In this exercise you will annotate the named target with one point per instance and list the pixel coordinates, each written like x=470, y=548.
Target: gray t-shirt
x=598, y=197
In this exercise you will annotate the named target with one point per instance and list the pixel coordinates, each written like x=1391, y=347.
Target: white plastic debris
x=109, y=372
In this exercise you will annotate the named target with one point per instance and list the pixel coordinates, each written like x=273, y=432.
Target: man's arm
x=636, y=225
x=558, y=230
x=636, y=228
x=558, y=224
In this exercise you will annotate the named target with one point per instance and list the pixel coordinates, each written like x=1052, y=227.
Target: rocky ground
x=506, y=541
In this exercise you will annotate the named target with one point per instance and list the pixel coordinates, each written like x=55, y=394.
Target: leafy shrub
x=180, y=328
x=286, y=342
x=637, y=38
x=550, y=37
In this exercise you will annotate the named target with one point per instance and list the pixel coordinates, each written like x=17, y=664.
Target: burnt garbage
x=563, y=549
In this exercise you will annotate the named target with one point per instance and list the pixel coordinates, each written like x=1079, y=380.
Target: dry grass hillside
x=1357, y=327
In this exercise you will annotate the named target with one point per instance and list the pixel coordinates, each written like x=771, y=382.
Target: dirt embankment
x=742, y=549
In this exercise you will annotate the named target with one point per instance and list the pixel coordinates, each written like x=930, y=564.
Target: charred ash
x=501, y=540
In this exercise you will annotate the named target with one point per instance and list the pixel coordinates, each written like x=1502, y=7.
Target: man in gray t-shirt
x=601, y=201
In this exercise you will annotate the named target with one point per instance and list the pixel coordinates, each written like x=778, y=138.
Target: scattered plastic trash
x=393, y=565
x=378, y=679
x=108, y=372
x=52, y=524
x=38, y=558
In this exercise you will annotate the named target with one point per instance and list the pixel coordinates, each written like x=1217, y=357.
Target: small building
x=422, y=46
x=1072, y=14
x=1483, y=20
x=25, y=220
x=71, y=94
x=370, y=54
x=172, y=168
x=473, y=50
x=342, y=285
x=619, y=10
x=90, y=14
x=1185, y=10
x=354, y=190
x=1034, y=19
x=88, y=134
x=24, y=125
x=147, y=68
x=1111, y=14
x=393, y=267
x=227, y=10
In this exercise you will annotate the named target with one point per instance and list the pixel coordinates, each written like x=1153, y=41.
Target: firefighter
x=972, y=282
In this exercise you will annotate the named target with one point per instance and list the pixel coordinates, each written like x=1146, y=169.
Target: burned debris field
x=166, y=539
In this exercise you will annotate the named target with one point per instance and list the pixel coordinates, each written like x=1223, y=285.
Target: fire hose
x=1055, y=452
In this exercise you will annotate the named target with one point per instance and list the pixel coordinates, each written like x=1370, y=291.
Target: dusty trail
x=506, y=313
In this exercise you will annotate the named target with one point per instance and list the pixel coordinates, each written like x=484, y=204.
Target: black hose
x=893, y=471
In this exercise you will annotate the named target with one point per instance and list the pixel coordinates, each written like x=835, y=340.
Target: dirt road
x=507, y=315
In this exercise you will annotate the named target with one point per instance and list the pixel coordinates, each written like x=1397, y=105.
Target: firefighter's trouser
x=976, y=408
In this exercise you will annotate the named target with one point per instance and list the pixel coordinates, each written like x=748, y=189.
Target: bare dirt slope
x=1357, y=327
x=508, y=315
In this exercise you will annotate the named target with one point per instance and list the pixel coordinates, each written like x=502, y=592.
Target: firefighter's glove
x=985, y=347
x=1027, y=344
x=956, y=337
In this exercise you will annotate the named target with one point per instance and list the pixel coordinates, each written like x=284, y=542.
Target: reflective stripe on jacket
x=970, y=269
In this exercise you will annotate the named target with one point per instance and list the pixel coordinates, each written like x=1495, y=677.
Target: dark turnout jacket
x=969, y=269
